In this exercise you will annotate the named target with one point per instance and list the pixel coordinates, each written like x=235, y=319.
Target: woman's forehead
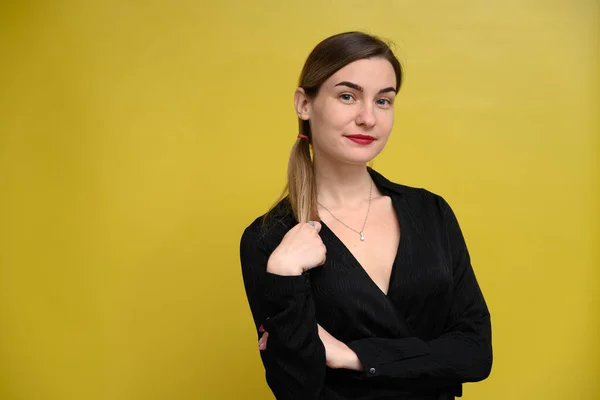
x=371, y=73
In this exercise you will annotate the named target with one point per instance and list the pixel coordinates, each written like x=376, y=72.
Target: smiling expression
x=353, y=113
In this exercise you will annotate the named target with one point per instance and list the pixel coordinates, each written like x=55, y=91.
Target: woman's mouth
x=361, y=139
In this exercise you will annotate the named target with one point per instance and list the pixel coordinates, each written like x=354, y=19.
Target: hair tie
x=301, y=136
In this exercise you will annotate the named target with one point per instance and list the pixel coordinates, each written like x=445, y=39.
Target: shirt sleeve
x=463, y=353
x=294, y=359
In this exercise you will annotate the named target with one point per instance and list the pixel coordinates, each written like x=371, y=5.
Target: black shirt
x=429, y=334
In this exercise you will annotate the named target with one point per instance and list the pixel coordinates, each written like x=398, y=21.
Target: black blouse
x=422, y=340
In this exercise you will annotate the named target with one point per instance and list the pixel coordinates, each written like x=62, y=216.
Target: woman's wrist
x=278, y=266
x=351, y=360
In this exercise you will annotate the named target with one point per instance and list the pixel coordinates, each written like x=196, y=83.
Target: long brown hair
x=328, y=57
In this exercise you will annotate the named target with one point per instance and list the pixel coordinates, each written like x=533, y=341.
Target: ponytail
x=302, y=187
x=301, y=183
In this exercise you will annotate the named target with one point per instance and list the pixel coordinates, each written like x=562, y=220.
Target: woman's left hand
x=337, y=354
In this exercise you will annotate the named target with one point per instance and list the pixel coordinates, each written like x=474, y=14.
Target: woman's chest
x=350, y=301
x=374, y=248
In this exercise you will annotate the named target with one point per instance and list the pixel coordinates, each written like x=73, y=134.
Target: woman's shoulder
x=269, y=228
x=414, y=193
x=417, y=198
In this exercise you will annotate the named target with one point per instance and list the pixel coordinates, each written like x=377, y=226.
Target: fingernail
x=261, y=328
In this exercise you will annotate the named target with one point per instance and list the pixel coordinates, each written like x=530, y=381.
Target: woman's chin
x=361, y=156
x=353, y=156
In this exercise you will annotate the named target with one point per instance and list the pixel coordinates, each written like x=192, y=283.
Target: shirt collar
x=383, y=182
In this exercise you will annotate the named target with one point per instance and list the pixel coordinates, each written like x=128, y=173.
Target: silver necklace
x=362, y=236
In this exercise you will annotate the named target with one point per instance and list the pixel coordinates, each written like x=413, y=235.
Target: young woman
x=360, y=288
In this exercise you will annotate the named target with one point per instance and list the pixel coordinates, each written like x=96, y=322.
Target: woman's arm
x=294, y=360
x=463, y=353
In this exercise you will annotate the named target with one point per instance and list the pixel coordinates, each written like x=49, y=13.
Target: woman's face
x=352, y=115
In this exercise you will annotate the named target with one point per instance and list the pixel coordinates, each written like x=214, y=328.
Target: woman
x=360, y=288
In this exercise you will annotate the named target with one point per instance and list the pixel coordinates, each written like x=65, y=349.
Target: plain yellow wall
x=138, y=139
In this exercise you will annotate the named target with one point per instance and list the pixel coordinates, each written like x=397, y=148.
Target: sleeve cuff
x=285, y=286
x=367, y=356
x=377, y=356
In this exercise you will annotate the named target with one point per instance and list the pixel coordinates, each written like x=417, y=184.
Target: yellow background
x=138, y=139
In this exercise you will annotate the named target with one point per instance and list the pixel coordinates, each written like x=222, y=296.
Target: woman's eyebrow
x=387, y=89
x=360, y=89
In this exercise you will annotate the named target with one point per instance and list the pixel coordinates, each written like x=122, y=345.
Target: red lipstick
x=361, y=139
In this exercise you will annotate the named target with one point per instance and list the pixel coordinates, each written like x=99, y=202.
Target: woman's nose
x=366, y=116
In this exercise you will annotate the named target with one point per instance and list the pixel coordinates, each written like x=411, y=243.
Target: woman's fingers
x=262, y=343
x=315, y=224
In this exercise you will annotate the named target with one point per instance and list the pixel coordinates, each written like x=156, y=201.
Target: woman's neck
x=342, y=185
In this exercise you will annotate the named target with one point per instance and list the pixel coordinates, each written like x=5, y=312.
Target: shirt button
x=372, y=371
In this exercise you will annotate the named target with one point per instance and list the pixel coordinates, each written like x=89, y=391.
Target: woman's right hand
x=300, y=249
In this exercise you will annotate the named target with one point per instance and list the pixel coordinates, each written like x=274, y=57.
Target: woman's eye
x=384, y=102
x=346, y=97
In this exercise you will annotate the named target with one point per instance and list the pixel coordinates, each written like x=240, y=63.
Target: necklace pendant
x=362, y=237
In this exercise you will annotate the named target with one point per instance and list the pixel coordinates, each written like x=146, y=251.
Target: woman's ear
x=302, y=104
